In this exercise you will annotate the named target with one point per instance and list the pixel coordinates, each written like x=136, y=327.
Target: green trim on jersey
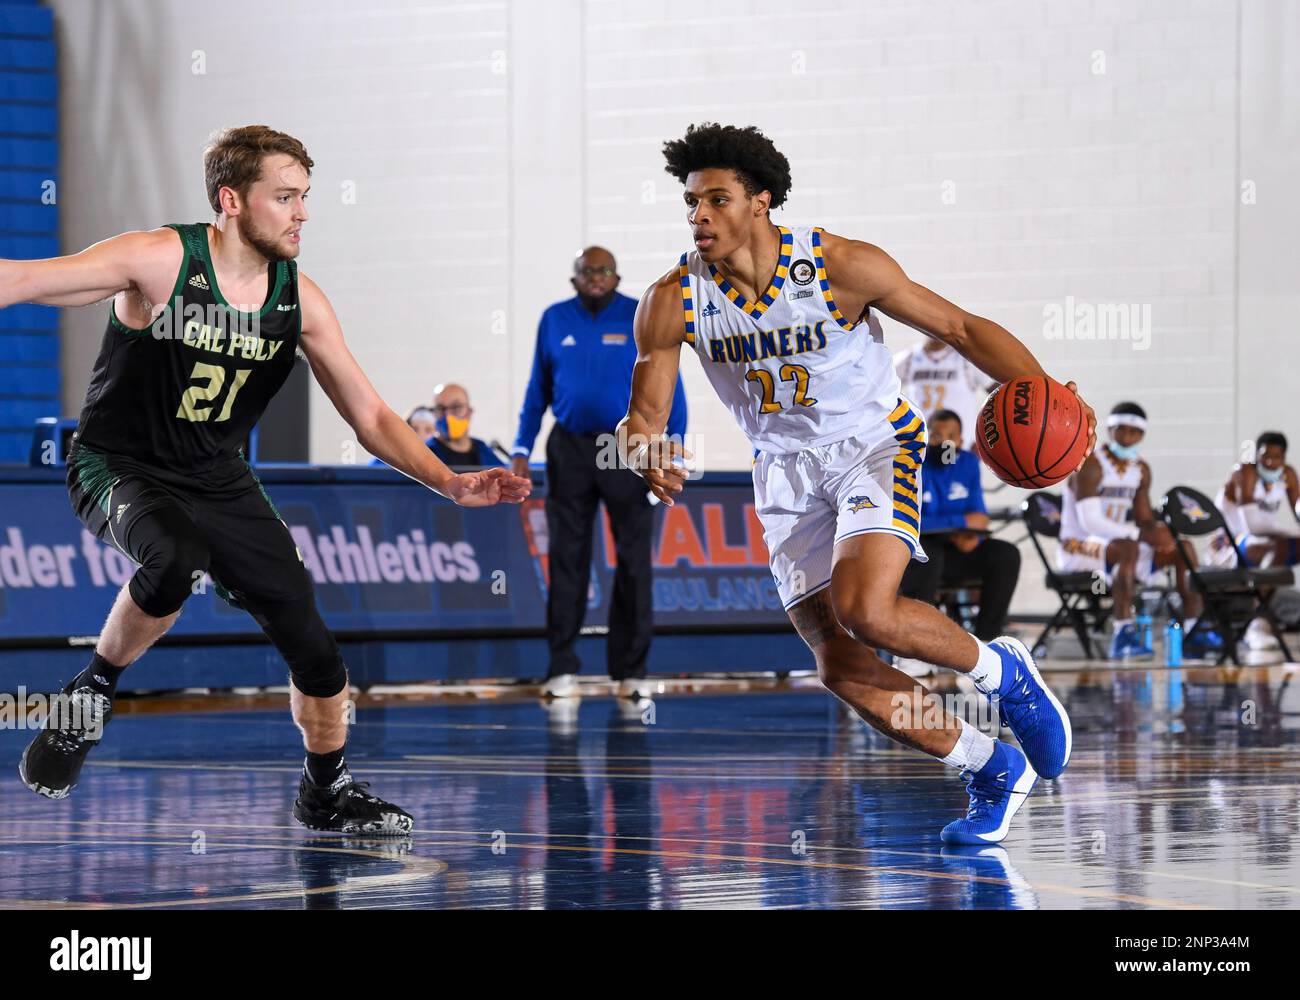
x=292, y=266
x=262, y=489
x=201, y=236
x=93, y=476
x=177, y=287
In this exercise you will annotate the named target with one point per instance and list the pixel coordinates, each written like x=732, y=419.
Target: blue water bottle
x=1143, y=622
x=1173, y=644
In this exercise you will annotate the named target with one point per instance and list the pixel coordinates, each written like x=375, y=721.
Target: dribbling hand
x=1092, y=423
x=491, y=486
x=668, y=477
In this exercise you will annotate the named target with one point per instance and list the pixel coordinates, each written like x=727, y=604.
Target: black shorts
x=252, y=556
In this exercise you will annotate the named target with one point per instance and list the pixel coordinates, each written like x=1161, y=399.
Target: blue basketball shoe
x=997, y=791
x=1030, y=710
x=1204, y=642
x=1127, y=644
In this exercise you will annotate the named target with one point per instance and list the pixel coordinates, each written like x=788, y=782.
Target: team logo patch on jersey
x=710, y=310
x=861, y=503
x=613, y=338
x=802, y=272
x=198, y=281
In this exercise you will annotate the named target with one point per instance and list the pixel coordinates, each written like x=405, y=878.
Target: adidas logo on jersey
x=121, y=509
x=199, y=281
x=710, y=310
x=568, y=341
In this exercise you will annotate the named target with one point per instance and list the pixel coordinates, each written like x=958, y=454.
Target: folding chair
x=1232, y=597
x=1081, y=607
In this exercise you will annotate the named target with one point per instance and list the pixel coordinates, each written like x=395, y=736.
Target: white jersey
x=792, y=370
x=1119, y=485
x=943, y=381
x=1275, y=515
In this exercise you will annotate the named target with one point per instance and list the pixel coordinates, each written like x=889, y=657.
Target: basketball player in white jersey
x=784, y=321
x=936, y=377
x=1259, y=504
x=1108, y=527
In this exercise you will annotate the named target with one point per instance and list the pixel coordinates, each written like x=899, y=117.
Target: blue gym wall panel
x=30, y=381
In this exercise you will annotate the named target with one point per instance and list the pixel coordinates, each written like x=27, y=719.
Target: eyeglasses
x=591, y=272
x=458, y=409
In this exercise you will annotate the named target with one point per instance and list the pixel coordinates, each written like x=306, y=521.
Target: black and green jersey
x=184, y=392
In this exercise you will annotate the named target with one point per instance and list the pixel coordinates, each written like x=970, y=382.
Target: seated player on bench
x=1108, y=527
x=1259, y=505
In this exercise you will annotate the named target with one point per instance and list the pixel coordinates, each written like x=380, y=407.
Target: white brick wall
x=399, y=99
x=473, y=186
x=1068, y=182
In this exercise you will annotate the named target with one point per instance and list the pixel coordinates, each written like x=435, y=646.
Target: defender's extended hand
x=483, y=489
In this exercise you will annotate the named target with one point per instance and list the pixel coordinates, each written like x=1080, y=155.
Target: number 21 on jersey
x=215, y=377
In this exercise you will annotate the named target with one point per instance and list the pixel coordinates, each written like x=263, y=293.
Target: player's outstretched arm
x=875, y=279
x=660, y=331
x=379, y=430
x=94, y=274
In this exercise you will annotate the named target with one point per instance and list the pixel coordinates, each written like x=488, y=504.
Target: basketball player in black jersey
x=202, y=331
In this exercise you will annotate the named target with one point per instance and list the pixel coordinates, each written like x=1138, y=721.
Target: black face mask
x=934, y=453
x=595, y=305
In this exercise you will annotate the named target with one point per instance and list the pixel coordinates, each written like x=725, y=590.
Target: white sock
x=1188, y=625
x=987, y=673
x=973, y=749
x=1121, y=622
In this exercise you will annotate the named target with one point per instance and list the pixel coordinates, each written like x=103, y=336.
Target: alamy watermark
x=658, y=451
x=1073, y=320
x=922, y=709
x=35, y=710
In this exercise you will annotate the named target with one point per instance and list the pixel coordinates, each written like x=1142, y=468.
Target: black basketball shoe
x=346, y=807
x=74, y=726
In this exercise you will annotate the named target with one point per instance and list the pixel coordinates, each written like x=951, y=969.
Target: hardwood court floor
x=1183, y=792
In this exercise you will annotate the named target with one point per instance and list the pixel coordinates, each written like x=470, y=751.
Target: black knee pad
x=169, y=567
x=315, y=661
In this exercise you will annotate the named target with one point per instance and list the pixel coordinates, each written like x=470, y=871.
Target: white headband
x=1127, y=420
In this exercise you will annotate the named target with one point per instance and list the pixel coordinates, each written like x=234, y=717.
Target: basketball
x=1032, y=432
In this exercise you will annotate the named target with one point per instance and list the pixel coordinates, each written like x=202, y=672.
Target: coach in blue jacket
x=953, y=516
x=582, y=371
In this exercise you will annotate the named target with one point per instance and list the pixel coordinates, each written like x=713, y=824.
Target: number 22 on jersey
x=797, y=374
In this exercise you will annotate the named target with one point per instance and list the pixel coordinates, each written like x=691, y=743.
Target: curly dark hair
x=758, y=164
x=1270, y=437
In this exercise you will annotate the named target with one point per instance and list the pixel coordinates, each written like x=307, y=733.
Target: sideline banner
x=387, y=555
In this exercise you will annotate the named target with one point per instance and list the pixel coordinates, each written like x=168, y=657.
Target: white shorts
x=811, y=499
x=1088, y=555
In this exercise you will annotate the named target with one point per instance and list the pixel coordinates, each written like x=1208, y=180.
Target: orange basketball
x=1032, y=432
